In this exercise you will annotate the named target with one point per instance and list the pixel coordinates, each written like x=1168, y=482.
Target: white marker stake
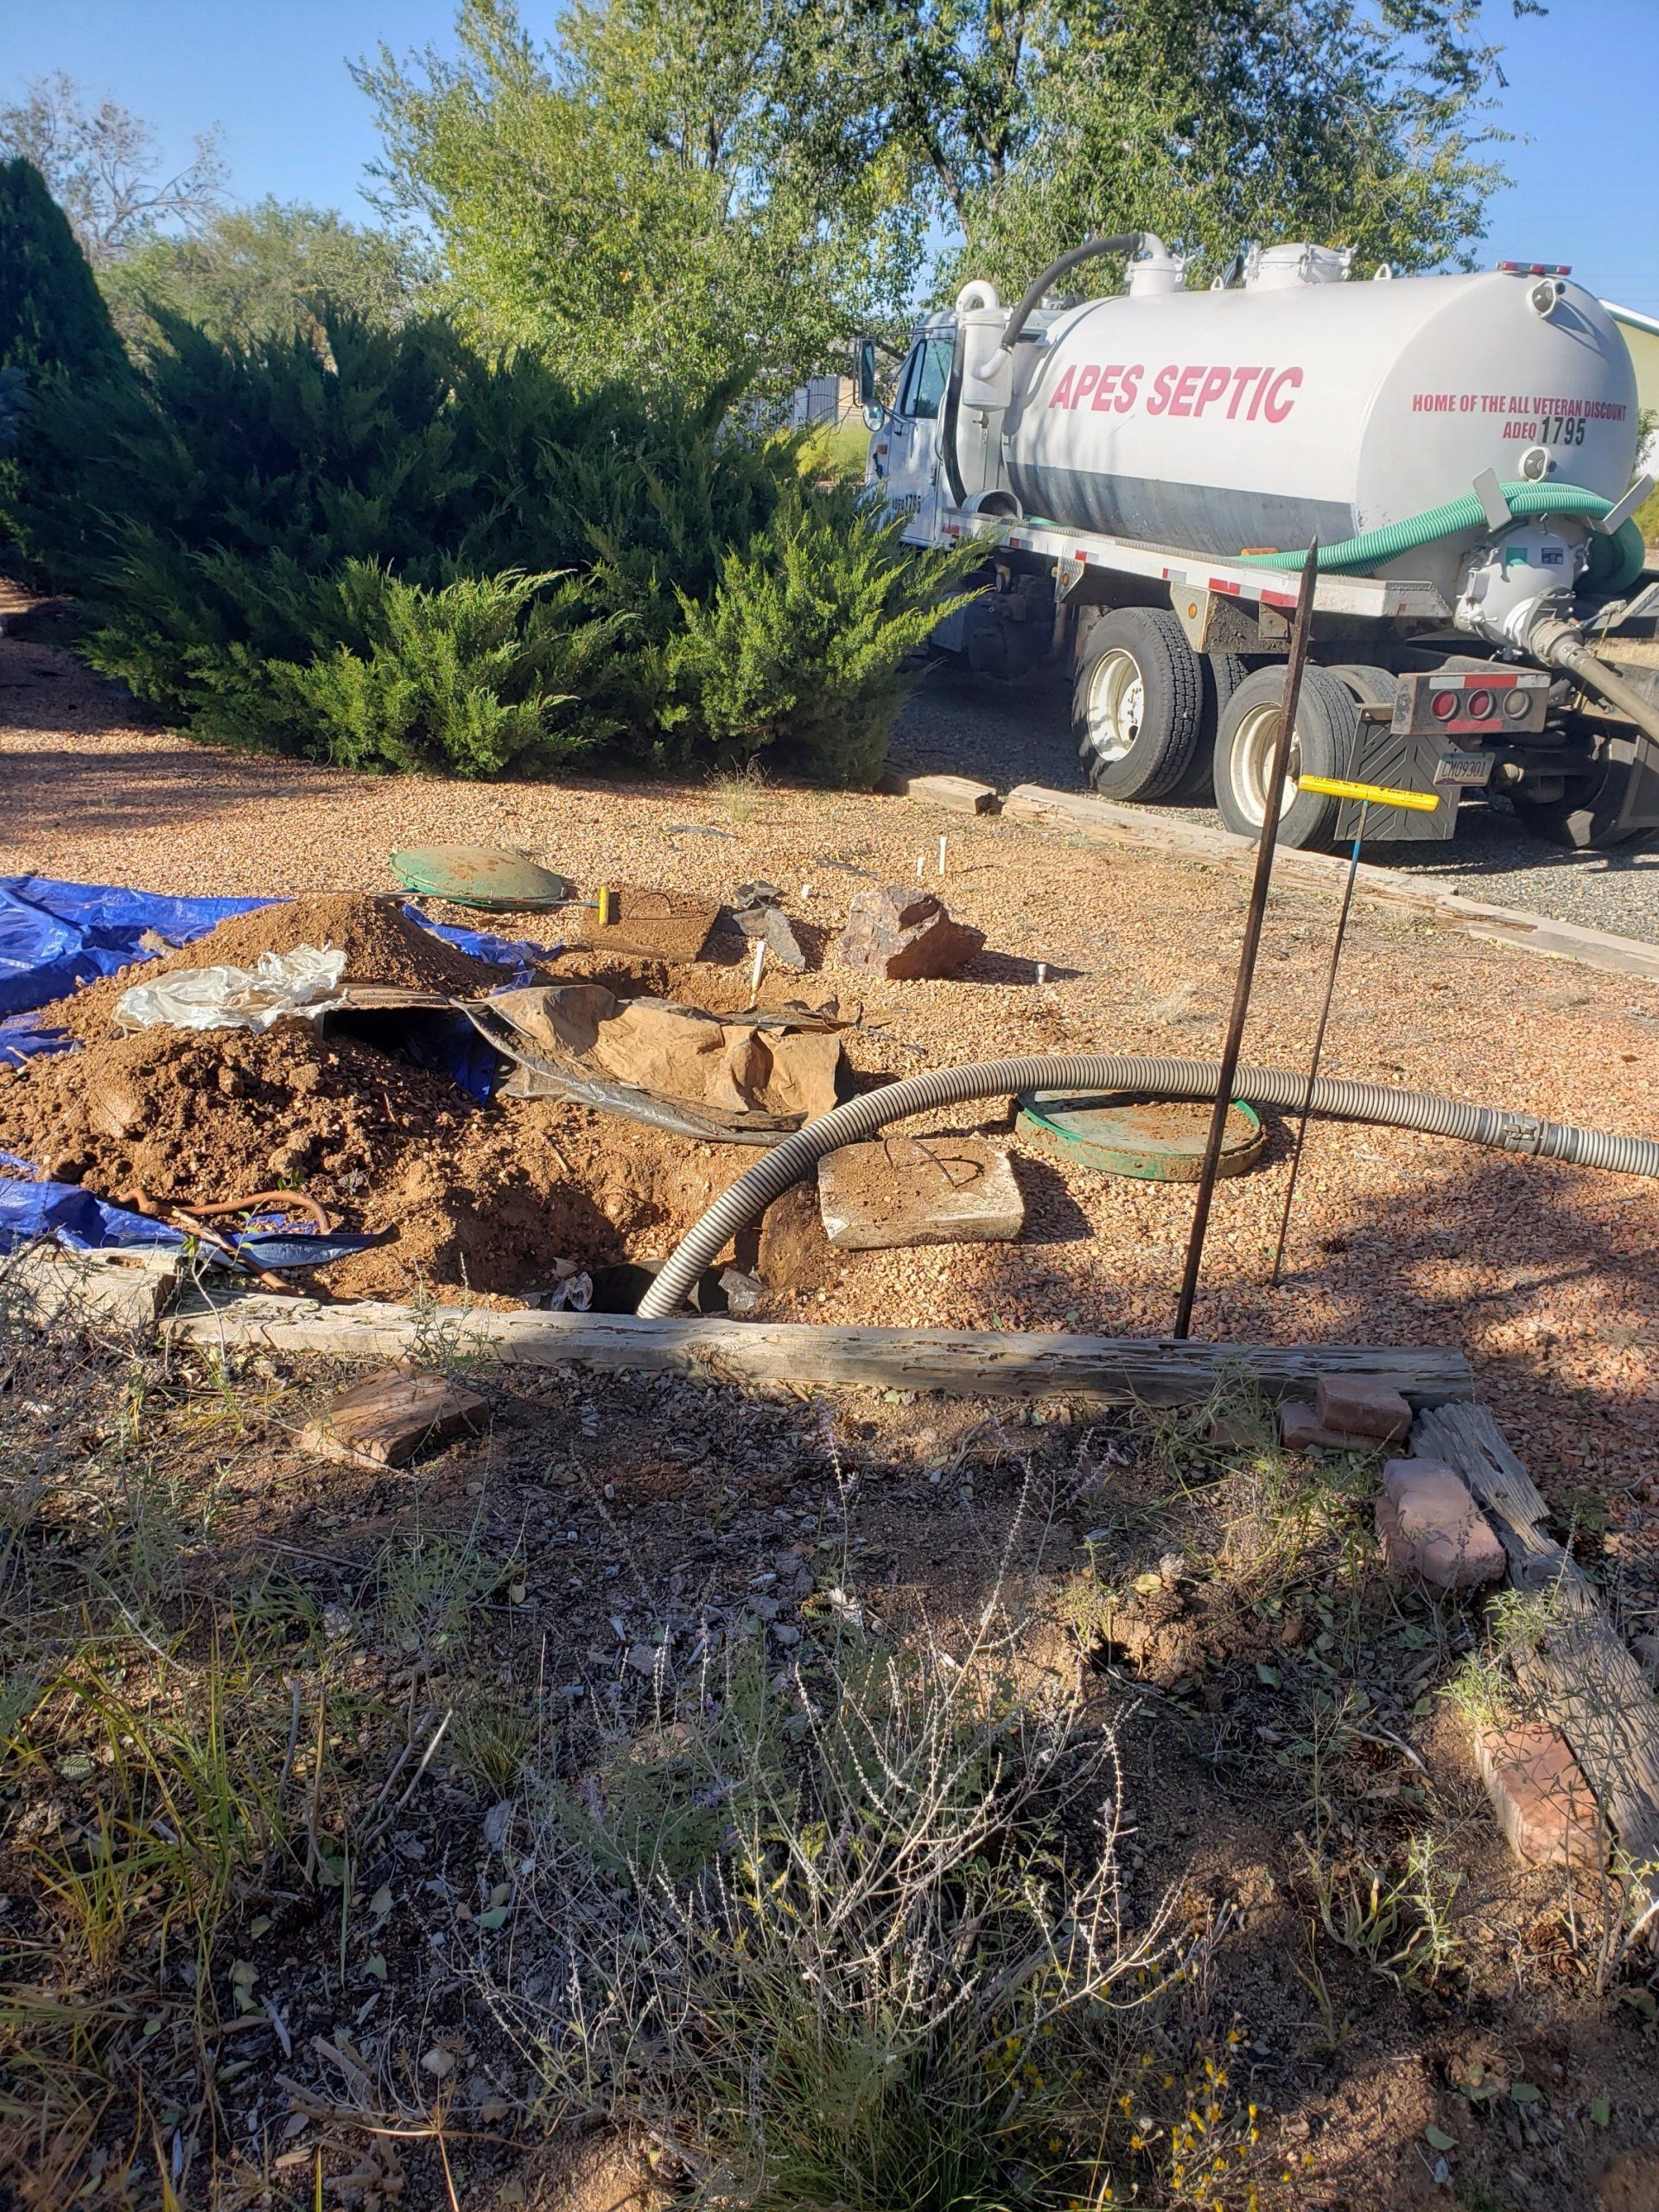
x=941, y=844
x=1042, y=971
x=760, y=962
x=921, y=866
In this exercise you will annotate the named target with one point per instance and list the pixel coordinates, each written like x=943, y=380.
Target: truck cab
x=906, y=455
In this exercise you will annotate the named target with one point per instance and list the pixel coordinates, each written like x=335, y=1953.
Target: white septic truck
x=1145, y=473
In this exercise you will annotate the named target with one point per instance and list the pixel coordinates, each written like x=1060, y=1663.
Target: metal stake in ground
x=1274, y=795
x=1334, y=787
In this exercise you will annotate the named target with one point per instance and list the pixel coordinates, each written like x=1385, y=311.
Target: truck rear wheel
x=1319, y=746
x=1136, y=703
x=1584, y=818
x=1221, y=674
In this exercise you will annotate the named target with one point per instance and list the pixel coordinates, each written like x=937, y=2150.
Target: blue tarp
x=55, y=937
x=66, y=1211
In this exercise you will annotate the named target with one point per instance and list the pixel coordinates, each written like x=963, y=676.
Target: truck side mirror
x=864, y=380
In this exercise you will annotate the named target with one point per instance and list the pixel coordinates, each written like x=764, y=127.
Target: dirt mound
x=381, y=945
x=484, y=1199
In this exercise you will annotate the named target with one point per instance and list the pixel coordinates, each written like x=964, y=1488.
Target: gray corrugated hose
x=1333, y=1098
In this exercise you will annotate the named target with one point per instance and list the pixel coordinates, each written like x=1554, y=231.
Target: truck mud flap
x=1403, y=763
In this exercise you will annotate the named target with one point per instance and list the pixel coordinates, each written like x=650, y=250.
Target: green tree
x=635, y=199
x=1021, y=125
x=52, y=318
x=254, y=272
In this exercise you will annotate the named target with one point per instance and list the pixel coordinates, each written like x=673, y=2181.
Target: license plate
x=1464, y=768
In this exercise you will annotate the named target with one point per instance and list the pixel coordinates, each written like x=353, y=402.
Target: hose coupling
x=1523, y=1133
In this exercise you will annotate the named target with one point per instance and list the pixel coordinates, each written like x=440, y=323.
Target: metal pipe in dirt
x=1274, y=799
x=1318, y=1039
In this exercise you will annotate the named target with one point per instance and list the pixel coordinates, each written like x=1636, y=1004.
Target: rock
x=289, y=1161
x=111, y=1110
x=793, y=1254
x=1544, y=1805
x=758, y=915
x=1301, y=1430
x=1646, y=1648
x=1431, y=1528
x=903, y=1191
x=904, y=934
x=1354, y=1406
x=644, y=1657
x=384, y=1422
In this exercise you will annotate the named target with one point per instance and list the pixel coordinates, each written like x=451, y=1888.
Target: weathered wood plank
x=385, y=1421
x=1107, y=823
x=1584, y=1680
x=960, y=794
x=121, y=1288
x=966, y=1363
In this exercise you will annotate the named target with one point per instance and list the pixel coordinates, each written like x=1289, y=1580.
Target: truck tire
x=1319, y=746
x=1365, y=685
x=1584, y=818
x=1136, y=703
x=1222, y=674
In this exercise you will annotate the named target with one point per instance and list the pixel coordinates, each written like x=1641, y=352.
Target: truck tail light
x=1516, y=706
x=1444, y=705
x=1480, y=706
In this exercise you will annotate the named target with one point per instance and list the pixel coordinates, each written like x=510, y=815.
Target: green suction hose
x=1610, y=569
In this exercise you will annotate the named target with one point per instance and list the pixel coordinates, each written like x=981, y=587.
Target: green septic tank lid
x=481, y=875
x=1160, y=1139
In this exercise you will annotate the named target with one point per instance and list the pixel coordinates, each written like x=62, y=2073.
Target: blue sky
x=1584, y=79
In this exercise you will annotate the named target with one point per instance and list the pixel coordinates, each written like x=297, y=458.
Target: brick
x=1431, y=1528
x=1301, y=1430
x=903, y=1191
x=1544, y=1805
x=1355, y=1406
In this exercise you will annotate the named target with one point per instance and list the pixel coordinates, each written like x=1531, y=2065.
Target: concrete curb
x=1106, y=823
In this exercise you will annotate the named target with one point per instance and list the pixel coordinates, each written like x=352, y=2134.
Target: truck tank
x=1257, y=419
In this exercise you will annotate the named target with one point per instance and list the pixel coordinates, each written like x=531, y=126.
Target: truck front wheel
x=1319, y=746
x=1137, y=703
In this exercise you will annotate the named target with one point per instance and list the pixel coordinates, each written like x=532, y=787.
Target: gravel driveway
x=1008, y=735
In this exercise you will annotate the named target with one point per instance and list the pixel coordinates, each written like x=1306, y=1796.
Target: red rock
x=1431, y=1528
x=1546, y=1808
x=904, y=934
x=1354, y=1405
x=1301, y=1430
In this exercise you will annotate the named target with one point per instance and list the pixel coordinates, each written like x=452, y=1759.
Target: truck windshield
x=928, y=375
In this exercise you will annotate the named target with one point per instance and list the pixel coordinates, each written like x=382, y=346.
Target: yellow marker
x=604, y=904
x=1377, y=794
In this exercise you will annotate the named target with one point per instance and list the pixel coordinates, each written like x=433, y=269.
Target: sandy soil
x=1543, y=1274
